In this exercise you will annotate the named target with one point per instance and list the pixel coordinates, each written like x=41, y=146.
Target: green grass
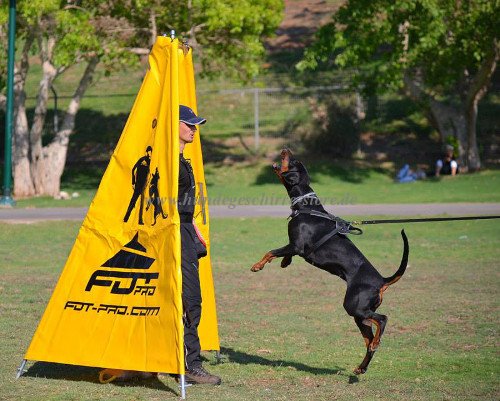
x=284, y=333
x=334, y=184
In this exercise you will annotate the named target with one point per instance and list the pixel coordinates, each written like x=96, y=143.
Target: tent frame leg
x=20, y=369
x=183, y=387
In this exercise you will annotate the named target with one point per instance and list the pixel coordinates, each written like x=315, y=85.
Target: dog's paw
x=286, y=261
x=359, y=371
x=256, y=267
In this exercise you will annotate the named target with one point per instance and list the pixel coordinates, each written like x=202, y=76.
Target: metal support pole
x=20, y=370
x=6, y=199
x=202, y=201
x=256, y=117
x=183, y=387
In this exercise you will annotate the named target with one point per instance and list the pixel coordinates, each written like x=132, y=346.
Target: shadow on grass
x=243, y=358
x=59, y=371
x=342, y=170
x=216, y=152
x=82, y=176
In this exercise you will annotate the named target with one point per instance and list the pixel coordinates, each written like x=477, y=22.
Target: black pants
x=191, y=295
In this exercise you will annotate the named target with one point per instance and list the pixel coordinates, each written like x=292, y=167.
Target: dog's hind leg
x=379, y=321
x=367, y=333
x=287, y=252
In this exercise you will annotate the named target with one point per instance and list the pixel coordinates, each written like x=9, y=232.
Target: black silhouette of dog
x=320, y=239
x=154, y=197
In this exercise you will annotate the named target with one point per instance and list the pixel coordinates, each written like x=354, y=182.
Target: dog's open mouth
x=285, y=160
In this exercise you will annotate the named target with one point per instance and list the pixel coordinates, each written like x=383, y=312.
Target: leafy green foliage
x=335, y=129
x=227, y=35
x=445, y=40
x=76, y=37
x=234, y=32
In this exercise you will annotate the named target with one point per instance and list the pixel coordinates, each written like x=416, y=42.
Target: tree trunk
x=52, y=162
x=38, y=158
x=152, y=25
x=477, y=89
x=473, y=159
x=23, y=184
x=451, y=121
x=21, y=172
x=52, y=159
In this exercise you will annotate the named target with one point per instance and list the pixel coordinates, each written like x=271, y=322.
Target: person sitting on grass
x=406, y=174
x=447, y=165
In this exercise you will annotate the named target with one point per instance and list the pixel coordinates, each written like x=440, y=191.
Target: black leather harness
x=341, y=226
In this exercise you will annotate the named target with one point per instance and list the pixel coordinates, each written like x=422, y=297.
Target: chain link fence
x=272, y=115
x=266, y=118
x=258, y=114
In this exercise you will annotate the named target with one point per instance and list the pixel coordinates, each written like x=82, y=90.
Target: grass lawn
x=334, y=184
x=284, y=333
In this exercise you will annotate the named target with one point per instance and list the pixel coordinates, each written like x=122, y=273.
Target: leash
x=347, y=227
x=423, y=220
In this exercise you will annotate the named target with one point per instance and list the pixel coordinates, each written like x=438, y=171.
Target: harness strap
x=302, y=197
x=317, y=213
x=341, y=227
x=321, y=241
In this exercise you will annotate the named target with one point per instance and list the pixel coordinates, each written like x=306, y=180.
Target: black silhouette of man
x=140, y=174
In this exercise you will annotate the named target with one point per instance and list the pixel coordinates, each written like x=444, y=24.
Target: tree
x=111, y=34
x=227, y=35
x=442, y=54
x=62, y=34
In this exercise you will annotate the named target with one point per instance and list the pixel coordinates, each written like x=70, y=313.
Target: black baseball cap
x=186, y=115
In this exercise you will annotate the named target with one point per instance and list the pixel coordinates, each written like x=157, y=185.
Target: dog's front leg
x=286, y=252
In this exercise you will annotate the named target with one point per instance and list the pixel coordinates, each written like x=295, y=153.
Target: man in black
x=192, y=249
x=140, y=174
x=447, y=165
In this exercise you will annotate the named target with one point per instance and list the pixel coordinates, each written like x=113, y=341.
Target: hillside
x=301, y=20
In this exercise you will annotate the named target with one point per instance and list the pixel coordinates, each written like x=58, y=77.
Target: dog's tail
x=404, y=262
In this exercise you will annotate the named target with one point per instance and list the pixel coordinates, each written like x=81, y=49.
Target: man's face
x=186, y=132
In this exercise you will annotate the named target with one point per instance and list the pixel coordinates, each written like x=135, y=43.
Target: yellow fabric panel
x=208, y=330
x=118, y=301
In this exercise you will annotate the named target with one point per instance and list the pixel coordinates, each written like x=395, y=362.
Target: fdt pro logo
x=125, y=259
